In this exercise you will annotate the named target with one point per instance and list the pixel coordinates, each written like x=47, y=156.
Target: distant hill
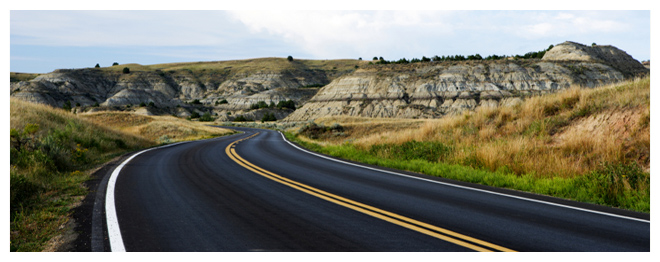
x=229, y=89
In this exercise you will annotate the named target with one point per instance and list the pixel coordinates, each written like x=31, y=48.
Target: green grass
x=618, y=185
x=51, y=154
x=17, y=77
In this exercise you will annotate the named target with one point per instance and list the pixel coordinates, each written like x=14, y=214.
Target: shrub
x=268, y=117
x=115, y=63
x=126, y=70
x=206, y=117
x=67, y=106
x=613, y=182
x=258, y=105
x=194, y=115
x=286, y=104
x=289, y=58
x=97, y=66
x=241, y=119
x=223, y=101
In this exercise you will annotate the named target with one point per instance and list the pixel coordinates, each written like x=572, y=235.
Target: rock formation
x=431, y=90
x=415, y=90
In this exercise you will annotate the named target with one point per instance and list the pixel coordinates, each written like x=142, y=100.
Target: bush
x=126, y=70
x=194, y=115
x=614, y=183
x=21, y=191
x=67, y=106
x=314, y=131
x=258, y=105
x=115, y=63
x=268, y=117
x=289, y=58
x=97, y=66
x=206, y=117
x=286, y=104
x=241, y=119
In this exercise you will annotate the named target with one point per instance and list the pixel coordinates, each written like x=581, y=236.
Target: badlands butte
x=229, y=89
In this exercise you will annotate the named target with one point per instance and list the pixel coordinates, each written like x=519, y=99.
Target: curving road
x=254, y=191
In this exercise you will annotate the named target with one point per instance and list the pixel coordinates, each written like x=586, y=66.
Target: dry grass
x=565, y=134
x=156, y=128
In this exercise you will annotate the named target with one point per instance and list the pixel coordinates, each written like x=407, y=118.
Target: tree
x=126, y=70
x=115, y=63
x=268, y=117
x=97, y=66
x=286, y=104
x=289, y=58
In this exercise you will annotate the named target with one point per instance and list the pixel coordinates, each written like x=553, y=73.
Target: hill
x=586, y=144
x=53, y=152
x=426, y=88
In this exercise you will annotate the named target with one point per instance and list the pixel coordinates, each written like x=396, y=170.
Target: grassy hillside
x=161, y=129
x=238, y=67
x=17, y=77
x=53, y=152
x=591, y=145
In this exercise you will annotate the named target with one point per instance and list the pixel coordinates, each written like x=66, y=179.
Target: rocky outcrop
x=605, y=54
x=431, y=90
x=170, y=89
x=353, y=88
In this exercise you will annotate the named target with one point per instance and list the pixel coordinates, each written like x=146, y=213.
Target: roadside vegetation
x=590, y=145
x=160, y=129
x=53, y=152
x=50, y=155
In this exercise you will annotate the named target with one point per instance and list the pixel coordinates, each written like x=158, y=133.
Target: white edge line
x=114, y=234
x=468, y=188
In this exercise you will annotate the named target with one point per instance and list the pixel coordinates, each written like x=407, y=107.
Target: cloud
x=570, y=24
x=345, y=33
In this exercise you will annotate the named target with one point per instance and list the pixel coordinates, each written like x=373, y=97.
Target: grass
x=239, y=68
x=17, y=77
x=577, y=144
x=161, y=129
x=53, y=152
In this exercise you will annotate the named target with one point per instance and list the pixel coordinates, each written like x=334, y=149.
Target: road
x=254, y=191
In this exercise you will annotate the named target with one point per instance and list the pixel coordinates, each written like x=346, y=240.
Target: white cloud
x=570, y=24
x=344, y=33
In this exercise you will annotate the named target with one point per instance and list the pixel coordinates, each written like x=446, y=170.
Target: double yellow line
x=431, y=230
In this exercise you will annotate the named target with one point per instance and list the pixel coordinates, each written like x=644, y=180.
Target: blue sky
x=42, y=41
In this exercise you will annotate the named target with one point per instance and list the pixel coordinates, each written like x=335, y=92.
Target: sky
x=42, y=41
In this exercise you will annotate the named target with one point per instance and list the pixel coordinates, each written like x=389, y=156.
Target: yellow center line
x=431, y=230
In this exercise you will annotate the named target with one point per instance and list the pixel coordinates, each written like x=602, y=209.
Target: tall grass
x=539, y=145
x=51, y=149
x=161, y=129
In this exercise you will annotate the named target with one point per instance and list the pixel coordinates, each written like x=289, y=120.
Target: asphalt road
x=256, y=192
